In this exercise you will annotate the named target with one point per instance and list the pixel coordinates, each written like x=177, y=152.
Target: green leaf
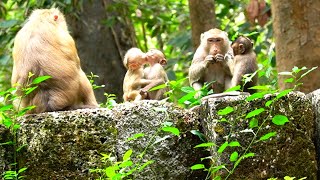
x=126, y=164
x=253, y=123
x=145, y=165
x=223, y=147
x=187, y=89
x=279, y=120
x=235, y=88
x=110, y=171
x=268, y=103
x=234, y=144
x=7, y=107
x=283, y=93
x=234, y=156
x=248, y=155
x=268, y=136
x=255, y=113
x=8, y=24
x=172, y=130
x=289, y=80
x=22, y=170
x=30, y=90
x=207, y=144
x=199, y=134
x=127, y=155
x=40, y=79
x=217, y=178
x=217, y=168
x=304, y=74
x=16, y=126
x=258, y=95
x=264, y=88
x=225, y=111
x=197, y=167
x=186, y=97
x=161, y=86
x=135, y=136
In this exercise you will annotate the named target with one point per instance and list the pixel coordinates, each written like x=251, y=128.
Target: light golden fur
x=44, y=47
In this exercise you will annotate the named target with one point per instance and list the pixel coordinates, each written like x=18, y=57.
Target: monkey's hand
x=219, y=57
x=210, y=58
x=143, y=93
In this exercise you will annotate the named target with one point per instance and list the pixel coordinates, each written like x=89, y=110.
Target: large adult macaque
x=244, y=63
x=211, y=61
x=44, y=47
x=156, y=73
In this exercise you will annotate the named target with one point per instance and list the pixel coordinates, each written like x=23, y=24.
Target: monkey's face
x=155, y=56
x=237, y=48
x=215, y=42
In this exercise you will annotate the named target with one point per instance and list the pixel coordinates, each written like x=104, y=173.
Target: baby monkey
x=134, y=60
x=156, y=73
x=137, y=81
x=244, y=63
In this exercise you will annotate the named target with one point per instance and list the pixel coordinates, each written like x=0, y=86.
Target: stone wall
x=66, y=145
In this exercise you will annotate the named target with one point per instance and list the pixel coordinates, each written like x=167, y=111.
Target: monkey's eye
x=212, y=40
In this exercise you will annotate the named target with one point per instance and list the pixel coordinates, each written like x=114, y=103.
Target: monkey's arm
x=196, y=73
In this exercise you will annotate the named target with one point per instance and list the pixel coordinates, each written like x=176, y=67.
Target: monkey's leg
x=86, y=91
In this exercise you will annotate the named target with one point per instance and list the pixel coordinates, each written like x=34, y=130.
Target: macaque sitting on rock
x=44, y=47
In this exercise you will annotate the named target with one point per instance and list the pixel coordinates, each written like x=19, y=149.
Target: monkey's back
x=43, y=48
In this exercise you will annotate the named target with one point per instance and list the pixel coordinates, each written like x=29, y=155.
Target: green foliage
x=130, y=166
x=9, y=115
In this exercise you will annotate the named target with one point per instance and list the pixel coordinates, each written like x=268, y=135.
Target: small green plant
x=130, y=166
x=9, y=116
x=110, y=101
x=254, y=127
x=91, y=79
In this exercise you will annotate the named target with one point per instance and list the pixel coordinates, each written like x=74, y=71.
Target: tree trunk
x=202, y=16
x=101, y=48
x=297, y=36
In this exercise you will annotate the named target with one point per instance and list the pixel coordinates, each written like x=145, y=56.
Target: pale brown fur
x=244, y=63
x=134, y=60
x=44, y=47
x=212, y=61
x=156, y=73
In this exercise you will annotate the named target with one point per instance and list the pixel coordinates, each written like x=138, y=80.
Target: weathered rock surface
x=290, y=153
x=65, y=145
x=315, y=99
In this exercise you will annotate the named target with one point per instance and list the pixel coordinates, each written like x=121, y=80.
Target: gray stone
x=290, y=153
x=65, y=145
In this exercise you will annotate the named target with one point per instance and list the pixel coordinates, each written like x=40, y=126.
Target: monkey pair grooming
x=44, y=47
x=138, y=81
x=215, y=60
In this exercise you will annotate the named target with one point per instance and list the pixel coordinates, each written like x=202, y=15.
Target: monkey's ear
x=241, y=48
x=163, y=62
x=201, y=36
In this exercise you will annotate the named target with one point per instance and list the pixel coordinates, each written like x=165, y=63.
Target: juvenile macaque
x=134, y=60
x=44, y=47
x=156, y=73
x=211, y=61
x=244, y=63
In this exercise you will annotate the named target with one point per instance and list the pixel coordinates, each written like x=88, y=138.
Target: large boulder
x=65, y=145
x=291, y=152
